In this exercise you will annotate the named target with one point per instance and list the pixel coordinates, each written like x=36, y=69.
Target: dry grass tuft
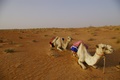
x=117, y=28
x=34, y=40
x=45, y=35
x=113, y=38
x=9, y=50
x=94, y=34
x=118, y=41
x=20, y=37
x=91, y=39
x=1, y=41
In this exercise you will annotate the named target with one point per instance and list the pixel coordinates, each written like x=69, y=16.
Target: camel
x=59, y=43
x=84, y=56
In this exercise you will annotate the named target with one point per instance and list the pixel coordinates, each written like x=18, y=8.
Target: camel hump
x=63, y=39
x=77, y=43
x=82, y=45
x=81, y=52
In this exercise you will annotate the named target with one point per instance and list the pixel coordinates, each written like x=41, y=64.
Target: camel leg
x=94, y=66
x=81, y=63
x=59, y=48
x=51, y=48
x=59, y=44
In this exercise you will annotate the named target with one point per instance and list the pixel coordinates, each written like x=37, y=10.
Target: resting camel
x=84, y=56
x=59, y=43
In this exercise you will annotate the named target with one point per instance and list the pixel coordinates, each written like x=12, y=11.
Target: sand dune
x=25, y=54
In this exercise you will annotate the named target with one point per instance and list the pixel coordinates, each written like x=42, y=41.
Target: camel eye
x=103, y=47
x=106, y=48
x=112, y=48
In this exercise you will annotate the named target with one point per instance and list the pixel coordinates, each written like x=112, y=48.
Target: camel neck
x=92, y=60
x=100, y=54
x=96, y=57
x=66, y=44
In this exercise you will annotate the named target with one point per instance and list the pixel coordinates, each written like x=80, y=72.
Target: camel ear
x=97, y=46
x=63, y=39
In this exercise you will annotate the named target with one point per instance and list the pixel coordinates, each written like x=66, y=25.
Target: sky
x=18, y=14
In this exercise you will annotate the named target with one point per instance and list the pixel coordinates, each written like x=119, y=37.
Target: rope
x=104, y=64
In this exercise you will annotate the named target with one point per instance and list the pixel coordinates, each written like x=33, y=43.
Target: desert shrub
x=1, y=41
x=118, y=41
x=94, y=34
x=19, y=45
x=113, y=38
x=34, y=40
x=117, y=28
x=45, y=35
x=9, y=50
x=76, y=33
x=20, y=37
x=91, y=39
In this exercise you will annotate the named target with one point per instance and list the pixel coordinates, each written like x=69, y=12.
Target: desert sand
x=25, y=54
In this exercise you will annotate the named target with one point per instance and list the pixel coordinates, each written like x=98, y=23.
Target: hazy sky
x=58, y=13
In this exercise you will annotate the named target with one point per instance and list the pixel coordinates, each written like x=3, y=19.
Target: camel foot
x=59, y=49
x=84, y=68
x=74, y=55
x=82, y=65
x=95, y=67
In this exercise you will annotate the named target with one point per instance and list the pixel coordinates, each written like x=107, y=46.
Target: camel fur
x=59, y=43
x=85, y=56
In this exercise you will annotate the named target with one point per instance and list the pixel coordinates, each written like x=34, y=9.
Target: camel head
x=103, y=49
x=69, y=39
